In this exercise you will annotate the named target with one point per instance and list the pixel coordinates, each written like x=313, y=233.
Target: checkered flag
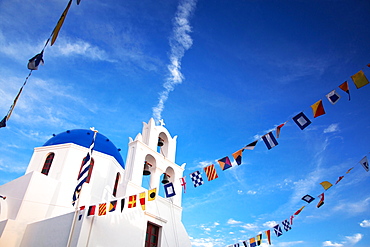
x=286, y=225
x=196, y=178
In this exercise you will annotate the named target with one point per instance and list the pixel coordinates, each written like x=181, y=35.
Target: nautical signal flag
x=210, y=172
x=340, y=178
x=252, y=242
x=132, y=201
x=122, y=204
x=270, y=140
x=299, y=210
x=224, y=163
x=286, y=225
x=308, y=198
x=259, y=239
x=81, y=212
x=318, y=109
x=345, y=88
x=238, y=156
x=152, y=194
x=301, y=120
x=360, y=79
x=268, y=236
x=365, y=163
x=183, y=183
x=142, y=200
x=91, y=210
x=34, y=62
x=333, y=97
x=278, y=129
x=3, y=122
x=321, y=202
x=112, y=206
x=102, y=209
x=196, y=178
x=59, y=24
x=349, y=170
x=251, y=145
x=169, y=189
x=326, y=185
x=278, y=231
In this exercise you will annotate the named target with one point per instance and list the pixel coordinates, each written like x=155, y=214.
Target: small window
x=152, y=235
x=90, y=169
x=47, y=164
x=116, y=184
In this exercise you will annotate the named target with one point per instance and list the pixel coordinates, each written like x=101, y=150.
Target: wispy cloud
x=79, y=47
x=332, y=128
x=353, y=207
x=348, y=241
x=180, y=42
x=233, y=222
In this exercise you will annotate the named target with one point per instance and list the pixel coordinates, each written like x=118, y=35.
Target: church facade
x=38, y=211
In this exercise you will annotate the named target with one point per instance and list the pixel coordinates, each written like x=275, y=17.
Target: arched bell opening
x=167, y=177
x=149, y=168
x=162, y=144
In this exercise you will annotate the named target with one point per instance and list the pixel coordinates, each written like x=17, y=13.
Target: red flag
x=268, y=236
x=299, y=211
x=278, y=129
x=345, y=88
x=340, y=178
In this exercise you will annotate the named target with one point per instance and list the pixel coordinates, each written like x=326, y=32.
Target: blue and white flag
x=301, y=120
x=270, y=140
x=169, y=189
x=286, y=225
x=365, y=163
x=82, y=177
x=196, y=178
x=333, y=97
x=278, y=231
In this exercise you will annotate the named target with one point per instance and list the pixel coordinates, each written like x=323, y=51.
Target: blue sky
x=221, y=74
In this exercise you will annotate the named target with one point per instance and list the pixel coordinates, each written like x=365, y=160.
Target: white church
x=37, y=207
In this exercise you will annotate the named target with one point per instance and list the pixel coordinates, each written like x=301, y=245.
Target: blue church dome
x=83, y=138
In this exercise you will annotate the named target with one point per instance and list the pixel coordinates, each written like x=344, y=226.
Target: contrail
x=180, y=42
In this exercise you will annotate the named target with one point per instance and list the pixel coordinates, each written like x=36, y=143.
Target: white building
x=38, y=212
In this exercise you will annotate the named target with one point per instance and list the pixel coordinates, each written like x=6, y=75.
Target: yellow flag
x=326, y=185
x=360, y=79
x=59, y=24
x=142, y=200
x=152, y=194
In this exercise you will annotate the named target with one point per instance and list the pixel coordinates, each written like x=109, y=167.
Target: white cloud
x=332, y=128
x=250, y=227
x=349, y=241
x=179, y=43
x=354, y=239
x=330, y=243
x=365, y=223
x=270, y=224
x=233, y=222
x=354, y=207
x=82, y=48
x=287, y=244
x=251, y=192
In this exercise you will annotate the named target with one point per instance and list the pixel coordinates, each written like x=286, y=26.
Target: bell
x=160, y=142
x=146, y=170
x=165, y=179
